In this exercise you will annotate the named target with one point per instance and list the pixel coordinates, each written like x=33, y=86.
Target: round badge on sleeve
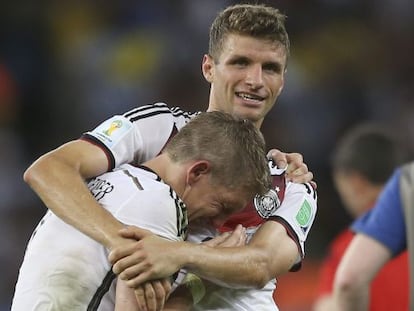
x=267, y=204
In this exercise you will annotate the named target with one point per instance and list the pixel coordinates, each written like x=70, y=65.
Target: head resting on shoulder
x=234, y=147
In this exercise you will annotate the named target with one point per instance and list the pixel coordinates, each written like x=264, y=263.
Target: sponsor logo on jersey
x=266, y=205
x=111, y=130
x=304, y=215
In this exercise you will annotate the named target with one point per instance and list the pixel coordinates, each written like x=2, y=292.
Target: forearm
x=271, y=252
x=361, y=262
x=61, y=187
x=244, y=266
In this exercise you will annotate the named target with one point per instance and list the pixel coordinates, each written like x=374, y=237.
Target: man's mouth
x=252, y=98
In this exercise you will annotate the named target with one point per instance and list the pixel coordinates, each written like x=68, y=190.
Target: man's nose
x=254, y=76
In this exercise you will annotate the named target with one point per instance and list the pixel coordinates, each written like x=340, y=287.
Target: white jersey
x=64, y=269
x=142, y=133
x=297, y=212
x=138, y=135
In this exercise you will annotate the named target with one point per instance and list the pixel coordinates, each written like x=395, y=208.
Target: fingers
x=133, y=232
x=161, y=293
x=314, y=185
x=152, y=295
x=140, y=297
x=299, y=177
x=123, y=259
x=166, y=284
x=278, y=157
x=229, y=239
x=296, y=171
x=138, y=280
x=122, y=251
x=216, y=241
x=236, y=238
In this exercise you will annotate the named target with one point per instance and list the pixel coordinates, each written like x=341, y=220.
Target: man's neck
x=167, y=170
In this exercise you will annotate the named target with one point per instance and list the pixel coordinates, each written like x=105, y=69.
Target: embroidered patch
x=304, y=215
x=112, y=129
x=266, y=205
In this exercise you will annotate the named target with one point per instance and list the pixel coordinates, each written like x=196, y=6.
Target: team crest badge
x=267, y=204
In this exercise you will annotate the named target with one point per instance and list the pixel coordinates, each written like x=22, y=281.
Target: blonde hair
x=255, y=20
x=234, y=148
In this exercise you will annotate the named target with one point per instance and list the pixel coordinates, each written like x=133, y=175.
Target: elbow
x=261, y=275
x=35, y=173
x=347, y=286
x=267, y=266
x=344, y=285
x=261, y=282
x=30, y=174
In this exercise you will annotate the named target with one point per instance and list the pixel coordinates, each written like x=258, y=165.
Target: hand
x=152, y=295
x=125, y=249
x=297, y=171
x=150, y=258
x=229, y=239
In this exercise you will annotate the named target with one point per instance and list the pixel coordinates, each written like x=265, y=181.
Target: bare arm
x=58, y=178
x=125, y=298
x=270, y=253
x=363, y=258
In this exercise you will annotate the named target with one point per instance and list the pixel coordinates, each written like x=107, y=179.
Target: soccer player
x=362, y=162
x=63, y=269
x=245, y=66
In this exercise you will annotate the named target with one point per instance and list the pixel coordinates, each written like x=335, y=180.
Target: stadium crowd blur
x=67, y=65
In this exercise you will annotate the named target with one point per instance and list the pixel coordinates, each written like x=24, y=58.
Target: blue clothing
x=385, y=222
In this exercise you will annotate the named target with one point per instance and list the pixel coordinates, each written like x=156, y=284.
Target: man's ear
x=197, y=170
x=207, y=68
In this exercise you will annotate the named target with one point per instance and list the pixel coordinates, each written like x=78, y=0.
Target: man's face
x=247, y=78
x=352, y=189
x=204, y=199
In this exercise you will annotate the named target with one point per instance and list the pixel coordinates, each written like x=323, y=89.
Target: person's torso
x=63, y=269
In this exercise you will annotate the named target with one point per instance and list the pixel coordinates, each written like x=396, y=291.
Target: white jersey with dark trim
x=296, y=212
x=141, y=134
x=138, y=135
x=64, y=269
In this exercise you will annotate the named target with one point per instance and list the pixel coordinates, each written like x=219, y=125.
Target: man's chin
x=251, y=114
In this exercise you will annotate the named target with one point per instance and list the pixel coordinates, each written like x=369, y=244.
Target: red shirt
x=389, y=289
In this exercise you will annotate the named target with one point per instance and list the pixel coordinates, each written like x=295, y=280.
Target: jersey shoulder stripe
x=177, y=111
x=157, y=109
x=145, y=109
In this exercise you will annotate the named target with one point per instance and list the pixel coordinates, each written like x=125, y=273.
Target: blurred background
x=66, y=66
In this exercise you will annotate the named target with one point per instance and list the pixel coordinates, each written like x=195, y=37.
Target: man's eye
x=240, y=62
x=272, y=68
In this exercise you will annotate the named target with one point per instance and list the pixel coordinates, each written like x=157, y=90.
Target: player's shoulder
x=157, y=109
x=147, y=110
